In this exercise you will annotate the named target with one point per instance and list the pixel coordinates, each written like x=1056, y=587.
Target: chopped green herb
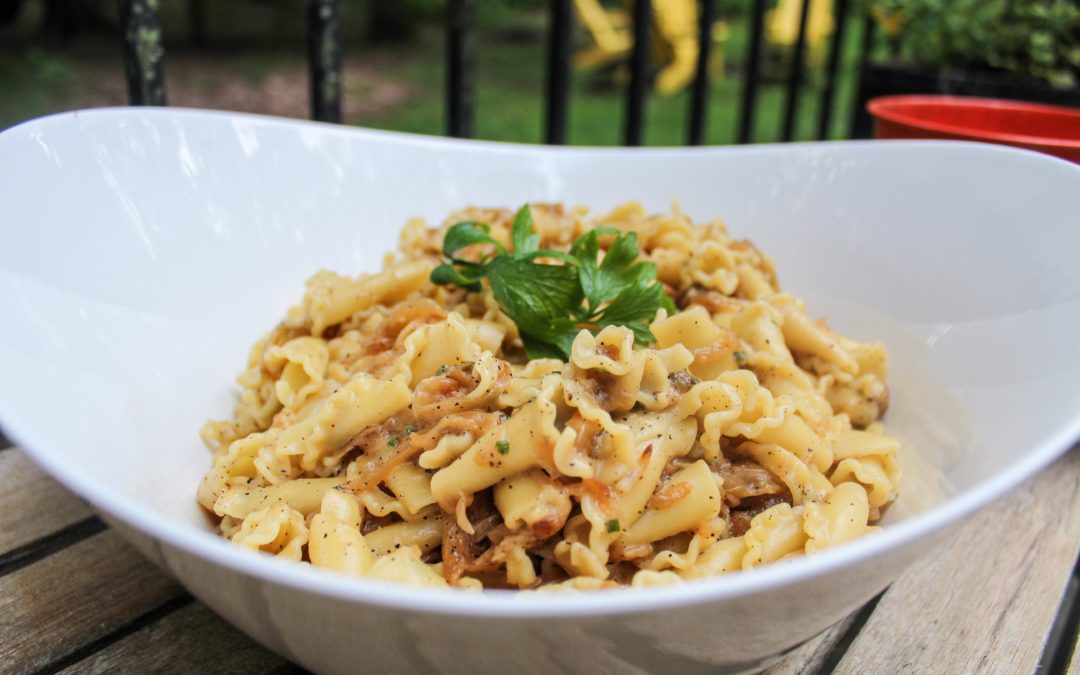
x=392, y=442
x=409, y=429
x=740, y=358
x=553, y=300
x=613, y=526
x=442, y=369
x=503, y=447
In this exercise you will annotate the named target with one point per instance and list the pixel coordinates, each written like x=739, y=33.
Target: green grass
x=32, y=83
x=509, y=97
x=509, y=85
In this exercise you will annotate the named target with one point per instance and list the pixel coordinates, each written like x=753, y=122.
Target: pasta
x=394, y=428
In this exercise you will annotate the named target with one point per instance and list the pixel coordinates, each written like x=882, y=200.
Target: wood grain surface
x=814, y=655
x=71, y=598
x=85, y=602
x=986, y=602
x=32, y=505
x=192, y=639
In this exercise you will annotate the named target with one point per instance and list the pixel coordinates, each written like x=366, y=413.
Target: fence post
x=795, y=78
x=753, y=72
x=558, y=72
x=639, y=76
x=324, y=59
x=460, y=58
x=836, y=52
x=861, y=125
x=700, y=95
x=144, y=55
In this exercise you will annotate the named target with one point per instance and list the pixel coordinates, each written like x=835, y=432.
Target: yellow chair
x=675, y=43
x=782, y=27
x=610, y=33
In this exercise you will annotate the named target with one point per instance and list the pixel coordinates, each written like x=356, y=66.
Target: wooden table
x=1002, y=599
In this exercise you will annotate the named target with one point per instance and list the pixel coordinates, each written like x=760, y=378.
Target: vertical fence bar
x=861, y=125
x=639, y=76
x=459, y=85
x=753, y=72
x=700, y=95
x=324, y=59
x=795, y=78
x=144, y=55
x=197, y=22
x=836, y=52
x=558, y=72
x=867, y=43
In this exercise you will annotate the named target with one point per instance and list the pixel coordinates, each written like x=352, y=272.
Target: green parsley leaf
x=613, y=526
x=533, y=294
x=627, y=286
x=553, y=295
x=634, y=301
x=584, y=251
x=467, y=233
x=522, y=234
x=602, y=282
x=620, y=267
x=466, y=277
x=503, y=447
x=668, y=304
x=740, y=358
x=559, y=348
x=538, y=298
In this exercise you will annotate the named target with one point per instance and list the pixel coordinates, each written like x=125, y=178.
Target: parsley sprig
x=553, y=295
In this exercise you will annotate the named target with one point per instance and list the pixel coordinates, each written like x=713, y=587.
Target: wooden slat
x=74, y=597
x=985, y=603
x=97, y=606
x=32, y=505
x=17, y=558
x=811, y=655
x=190, y=640
x=1063, y=637
x=821, y=654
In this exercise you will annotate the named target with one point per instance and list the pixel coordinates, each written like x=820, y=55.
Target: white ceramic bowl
x=142, y=251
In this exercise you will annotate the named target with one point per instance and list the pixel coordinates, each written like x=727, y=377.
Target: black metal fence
x=144, y=59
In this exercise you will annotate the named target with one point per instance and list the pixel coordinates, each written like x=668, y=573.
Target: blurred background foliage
x=249, y=55
x=1039, y=39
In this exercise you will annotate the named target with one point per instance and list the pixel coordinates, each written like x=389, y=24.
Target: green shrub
x=1033, y=38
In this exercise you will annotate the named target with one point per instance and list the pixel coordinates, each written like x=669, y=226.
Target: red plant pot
x=1054, y=130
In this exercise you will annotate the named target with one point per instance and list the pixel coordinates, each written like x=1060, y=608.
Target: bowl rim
x=211, y=548
x=888, y=108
